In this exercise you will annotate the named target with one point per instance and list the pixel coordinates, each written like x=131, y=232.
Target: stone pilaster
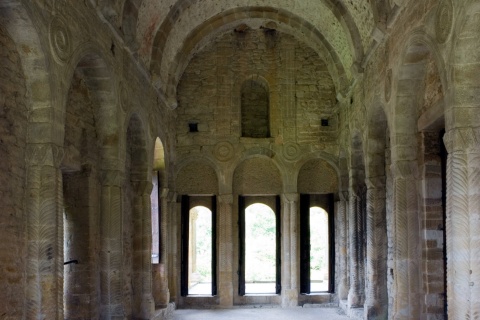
x=289, y=250
x=225, y=250
x=111, y=252
x=376, y=300
x=406, y=286
x=463, y=222
x=341, y=208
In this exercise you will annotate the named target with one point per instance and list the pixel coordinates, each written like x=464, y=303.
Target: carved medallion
x=444, y=21
x=388, y=85
x=60, y=40
x=224, y=151
x=291, y=151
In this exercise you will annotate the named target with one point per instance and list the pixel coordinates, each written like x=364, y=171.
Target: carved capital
x=164, y=193
x=142, y=187
x=113, y=178
x=465, y=140
x=172, y=196
x=375, y=182
x=290, y=197
x=44, y=155
x=404, y=169
x=225, y=199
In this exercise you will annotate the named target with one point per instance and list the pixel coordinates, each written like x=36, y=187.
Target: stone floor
x=261, y=313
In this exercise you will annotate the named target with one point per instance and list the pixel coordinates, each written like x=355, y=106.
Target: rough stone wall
x=13, y=133
x=255, y=53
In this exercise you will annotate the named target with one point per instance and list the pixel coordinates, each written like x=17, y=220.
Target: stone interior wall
x=13, y=135
x=73, y=130
x=276, y=57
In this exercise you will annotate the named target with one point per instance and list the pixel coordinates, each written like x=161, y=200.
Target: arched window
x=255, y=109
x=157, y=175
x=316, y=244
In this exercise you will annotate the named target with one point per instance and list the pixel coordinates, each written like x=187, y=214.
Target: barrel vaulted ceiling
x=165, y=34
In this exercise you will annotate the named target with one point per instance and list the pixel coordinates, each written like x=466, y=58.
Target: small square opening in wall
x=193, y=127
x=324, y=122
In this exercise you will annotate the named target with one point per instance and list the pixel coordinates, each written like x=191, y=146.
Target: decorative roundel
x=444, y=21
x=291, y=150
x=60, y=40
x=224, y=151
x=388, y=85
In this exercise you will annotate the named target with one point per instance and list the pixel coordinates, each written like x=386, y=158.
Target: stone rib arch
x=95, y=68
x=338, y=9
x=228, y=20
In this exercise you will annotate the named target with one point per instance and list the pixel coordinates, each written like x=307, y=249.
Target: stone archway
x=420, y=80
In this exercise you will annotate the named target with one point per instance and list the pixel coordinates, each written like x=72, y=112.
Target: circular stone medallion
x=60, y=40
x=291, y=151
x=224, y=151
x=444, y=21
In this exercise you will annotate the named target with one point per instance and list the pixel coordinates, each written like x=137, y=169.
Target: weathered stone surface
x=249, y=97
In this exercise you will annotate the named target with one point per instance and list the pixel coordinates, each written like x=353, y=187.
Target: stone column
x=289, y=253
x=44, y=205
x=142, y=242
x=463, y=223
x=225, y=250
x=406, y=264
x=111, y=251
x=355, y=294
x=161, y=281
x=174, y=239
x=376, y=299
x=341, y=208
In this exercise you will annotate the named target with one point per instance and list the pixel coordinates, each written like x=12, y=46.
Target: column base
x=289, y=298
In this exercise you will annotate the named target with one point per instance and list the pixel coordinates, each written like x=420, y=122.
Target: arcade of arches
x=120, y=116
